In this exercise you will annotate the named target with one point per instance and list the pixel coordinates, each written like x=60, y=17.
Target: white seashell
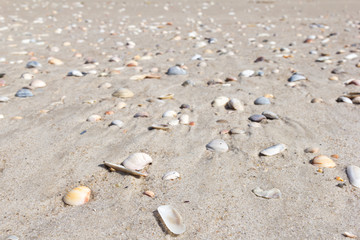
x=273, y=150
x=349, y=235
x=247, y=73
x=117, y=123
x=344, y=99
x=124, y=169
x=172, y=219
x=167, y=96
x=27, y=76
x=235, y=104
x=184, y=119
x=174, y=122
x=272, y=193
x=353, y=173
x=4, y=99
x=323, y=59
x=94, y=118
x=120, y=105
x=77, y=196
x=105, y=85
x=323, y=161
x=217, y=145
x=171, y=175
x=351, y=56
x=37, y=84
x=75, y=73
x=137, y=161
x=220, y=101
x=123, y=93
x=169, y=113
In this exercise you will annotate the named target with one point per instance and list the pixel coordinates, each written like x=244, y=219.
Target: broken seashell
x=235, y=104
x=172, y=219
x=124, y=169
x=217, y=145
x=323, y=161
x=220, y=101
x=164, y=127
x=273, y=150
x=311, y=150
x=353, y=173
x=169, y=113
x=171, y=175
x=37, y=84
x=120, y=105
x=137, y=161
x=27, y=76
x=296, y=77
x=94, y=118
x=131, y=63
x=105, y=85
x=356, y=82
x=176, y=70
x=117, y=123
x=55, y=61
x=272, y=193
x=184, y=119
x=123, y=93
x=167, y=96
x=77, y=196
x=75, y=73
x=141, y=115
x=4, y=99
x=149, y=193
x=349, y=235
x=144, y=76
x=236, y=131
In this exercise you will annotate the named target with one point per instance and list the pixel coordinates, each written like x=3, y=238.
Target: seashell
x=75, y=73
x=273, y=193
x=338, y=70
x=236, y=131
x=172, y=219
x=174, y=122
x=184, y=105
x=333, y=78
x=37, y=84
x=4, y=99
x=124, y=169
x=137, y=161
x=231, y=79
x=188, y=83
x=12, y=237
x=323, y=59
x=77, y=196
x=27, y=76
x=55, y=61
x=351, y=56
x=120, y=105
x=356, y=82
x=176, y=70
x=352, y=95
x=167, y=96
x=257, y=118
x=123, y=93
x=141, y=114
x=317, y=100
x=217, y=145
x=344, y=99
x=24, y=93
x=149, y=193
x=311, y=150
x=132, y=63
x=105, y=85
x=114, y=59
x=296, y=77
x=273, y=150
x=184, y=119
x=171, y=175
x=197, y=57
x=247, y=73
x=33, y=64
x=270, y=115
x=235, y=104
x=349, y=235
x=323, y=161
x=220, y=101
x=94, y=118
x=353, y=173
x=356, y=100
x=117, y=123
x=164, y=127
x=262, y=101
x=169, y=113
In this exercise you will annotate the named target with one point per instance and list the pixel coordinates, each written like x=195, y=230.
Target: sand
x=47, y=153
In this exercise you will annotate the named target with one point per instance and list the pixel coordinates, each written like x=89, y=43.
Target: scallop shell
x=169, y=113
x=124, y=169
x=235, y=104
x=37, y=84
x=272, y=193
x=171, y=175
x=123, y=93
x=273, y=150
x=77, y=196
x=353, y=173
x=137, y=161
x=323, y=161
x=184, y=119
x=217, y=145
x=172, y=219
x=220, y=101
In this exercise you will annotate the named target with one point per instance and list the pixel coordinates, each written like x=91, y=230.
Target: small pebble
x=317, y=100
x=257, y=118
x=262, y=101
x=247, y=73
x=270, y=115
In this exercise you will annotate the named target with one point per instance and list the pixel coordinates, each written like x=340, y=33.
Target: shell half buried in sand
x=273, y=150
x=137, y=161
x=353, y=173
x=124, y=169
x=272, y=193
x=323, y=161
x=172, y=219
x=77, y=196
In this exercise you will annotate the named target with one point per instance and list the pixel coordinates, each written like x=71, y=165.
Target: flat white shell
x=169, y=113
x=184, y=119
x=37, y=84
x=273, y=150
x=353, y=173
x=172, y=219
x=247, y=73
x=220, y=101
x=217, y=145
x=272, y=193
x=137, y=161
x=123, y=93
x=171, y=175
x=94, y=118
x=124, y=169
x=4, y=99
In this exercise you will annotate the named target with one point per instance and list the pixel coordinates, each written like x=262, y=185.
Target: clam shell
x=137, y=161
x=120, y=105
x=353, y=173
x=174, y=122
x=296, y=77
x=220, y=101
x=273, y=150
x=123, y=93
x=124, y=169
x=176, y=70
x=55, y=61
x=37, y=84
x=164, y=127
x=27, y=76
x=24, y=93
x=311, y=150
x=172, y=219
x=141, y=115
x=117, y=123
x=75, y=73
x=169, y=113
x=247, y=73
x=235, y=104
x=323, y=161
x=273, y=193
x=94, y=118
x=171, y=175
x=4, y=99
x=344, y=99
x=77, y=196
x=184, y=119
x=217, y=145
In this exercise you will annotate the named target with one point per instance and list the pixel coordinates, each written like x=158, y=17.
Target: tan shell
x=77, y=196
x=172, y=219
x=55, y=61
x=123, y=93
x=137, y=161
x=323, y=161
x=220, y=101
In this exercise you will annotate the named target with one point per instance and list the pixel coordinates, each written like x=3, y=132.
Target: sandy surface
x=44, y=155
